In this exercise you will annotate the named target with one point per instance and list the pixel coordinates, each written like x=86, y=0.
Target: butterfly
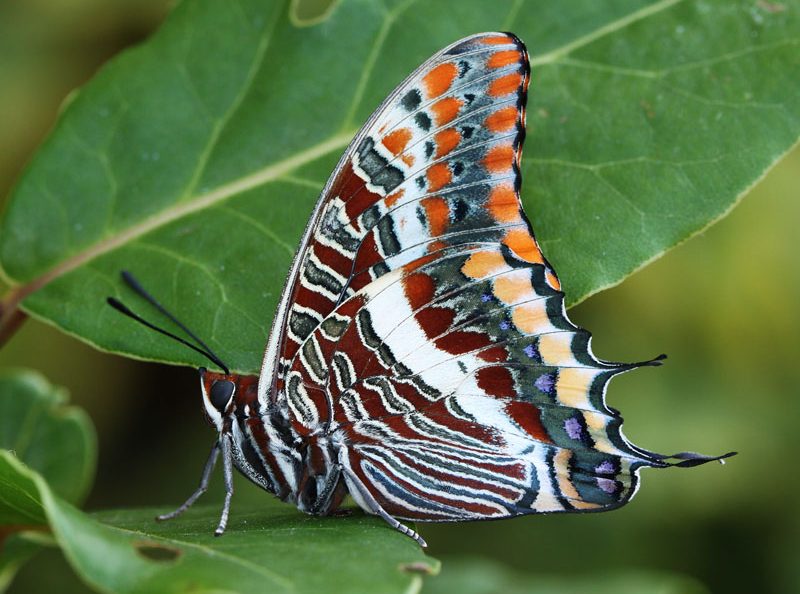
x=421, y=359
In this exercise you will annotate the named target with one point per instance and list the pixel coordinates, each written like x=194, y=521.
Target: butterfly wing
x=426, y=330
x=460, y=390
x=435, y=166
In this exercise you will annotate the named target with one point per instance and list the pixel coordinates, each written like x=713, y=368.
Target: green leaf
x=271, y=548
x=194, y=159
x=40, y=429
x=57, y=440
x=16, y=550
x=478, y=576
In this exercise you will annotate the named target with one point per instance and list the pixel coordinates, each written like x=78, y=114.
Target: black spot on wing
x=423, y=121
x=411, y=100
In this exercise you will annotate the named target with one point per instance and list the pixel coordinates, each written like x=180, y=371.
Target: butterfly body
x=421, y=359
x=298, y=468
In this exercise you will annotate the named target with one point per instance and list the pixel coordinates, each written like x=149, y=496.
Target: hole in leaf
x=156, y=551
x=304, y=13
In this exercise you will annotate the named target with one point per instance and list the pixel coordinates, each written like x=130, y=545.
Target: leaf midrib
x=635, y=16
x=258, y=178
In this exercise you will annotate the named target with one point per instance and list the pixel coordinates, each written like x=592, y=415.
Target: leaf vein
x=181, y=258
x=258, y=178
x=372, y=58
x=568, y=48
x=265, y=231
x=222, y=121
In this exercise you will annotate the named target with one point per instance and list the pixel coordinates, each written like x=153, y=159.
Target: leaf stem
x=11, y=317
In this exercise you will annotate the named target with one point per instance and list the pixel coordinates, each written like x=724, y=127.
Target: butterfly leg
x=374, y=507
x=204, y=480
x=227, y=468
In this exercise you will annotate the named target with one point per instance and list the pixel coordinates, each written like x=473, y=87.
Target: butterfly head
x=219, y=392
x=225, y=393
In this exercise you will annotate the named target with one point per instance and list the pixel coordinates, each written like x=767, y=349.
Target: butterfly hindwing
x=435, y=368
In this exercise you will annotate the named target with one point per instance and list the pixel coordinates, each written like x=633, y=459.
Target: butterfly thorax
x=288, y=460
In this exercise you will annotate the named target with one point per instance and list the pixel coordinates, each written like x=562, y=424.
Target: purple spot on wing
x=504, y=325
x=545, y=383
x=486, y=297
x=607, y=485
x=573, y=428
x=531, y=351
x=604, y=467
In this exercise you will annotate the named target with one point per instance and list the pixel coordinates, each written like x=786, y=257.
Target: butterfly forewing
x=435, y=166
x=426, y=329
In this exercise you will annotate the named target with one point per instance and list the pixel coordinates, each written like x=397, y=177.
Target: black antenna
x=131, y=281
x=137, y=286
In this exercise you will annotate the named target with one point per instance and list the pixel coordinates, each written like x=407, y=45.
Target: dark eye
x=221, y=393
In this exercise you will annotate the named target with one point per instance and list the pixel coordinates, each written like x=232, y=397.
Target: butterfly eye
x=221, y=394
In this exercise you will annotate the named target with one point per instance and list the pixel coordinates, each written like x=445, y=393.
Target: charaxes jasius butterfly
x=420, y=358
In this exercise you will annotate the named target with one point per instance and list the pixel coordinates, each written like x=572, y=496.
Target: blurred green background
x=724, y=307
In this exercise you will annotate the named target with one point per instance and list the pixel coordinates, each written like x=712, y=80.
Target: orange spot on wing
x=504, y=58
x=502, y=119
x=531, y=318
x=439, y=175
x=446, y=141
x=556, y=350
x=553, y=280
x=483, y=264
x=436, y=246
x=438, y=214
x=408, y=160
x=496, y=40
x=445, y=110
x=574, y=386
x=499, y=158
x=419, y=262
x=396, y=141
x=503, y=204
x=438, y=80
x=512, y=288
x=392, y=199
x=505, y=85
x=523, y=245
